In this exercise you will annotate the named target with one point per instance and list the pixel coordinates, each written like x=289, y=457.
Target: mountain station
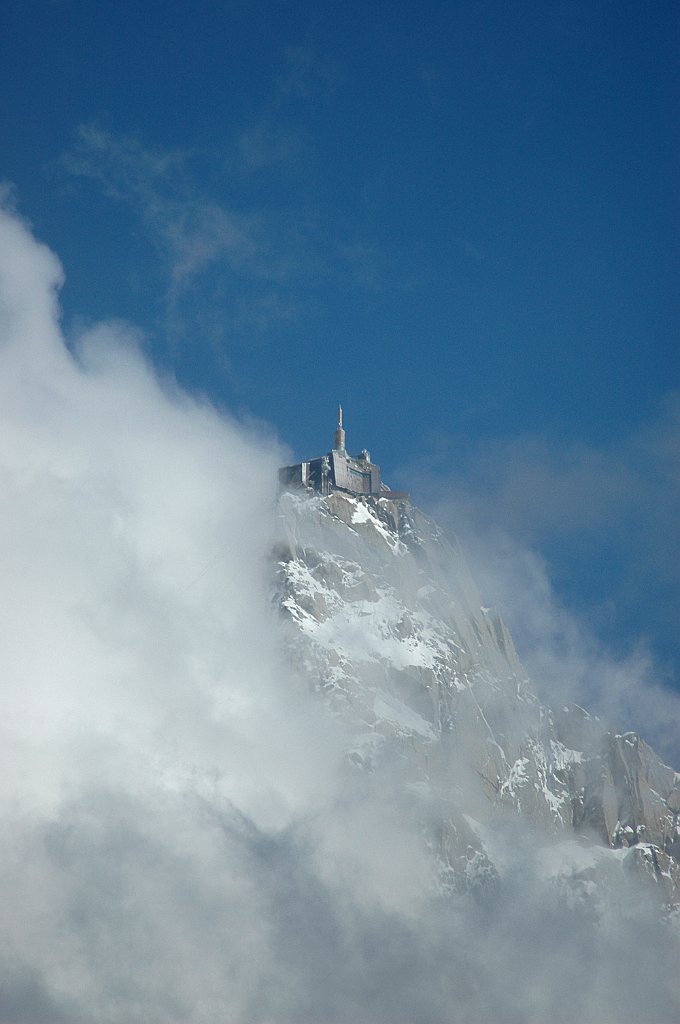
x=339, y=471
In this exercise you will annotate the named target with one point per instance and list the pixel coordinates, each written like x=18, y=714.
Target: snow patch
x=392, y=710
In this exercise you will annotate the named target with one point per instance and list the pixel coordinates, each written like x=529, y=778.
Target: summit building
x=339, y=471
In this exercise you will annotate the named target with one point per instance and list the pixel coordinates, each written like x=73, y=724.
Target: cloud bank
x=534, y=517
x=180, y=841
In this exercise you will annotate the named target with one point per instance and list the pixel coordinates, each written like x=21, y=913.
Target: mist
x=533, y=517
x=182, y=839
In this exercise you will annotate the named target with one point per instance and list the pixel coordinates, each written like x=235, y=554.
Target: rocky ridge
x=385, y=622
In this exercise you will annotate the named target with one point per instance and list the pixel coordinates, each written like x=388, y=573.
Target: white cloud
x=139, y=668
x=179, y=842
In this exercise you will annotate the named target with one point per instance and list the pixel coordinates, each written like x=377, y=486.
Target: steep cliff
x=387, y=625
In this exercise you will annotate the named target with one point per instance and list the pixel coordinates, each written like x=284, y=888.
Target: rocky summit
x=385, y=622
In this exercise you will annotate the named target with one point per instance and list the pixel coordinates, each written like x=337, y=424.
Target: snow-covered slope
x=386, y=623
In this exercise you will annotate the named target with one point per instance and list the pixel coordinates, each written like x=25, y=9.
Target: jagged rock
x=386, y=622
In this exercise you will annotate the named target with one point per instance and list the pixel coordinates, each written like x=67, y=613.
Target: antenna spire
x=340, y=433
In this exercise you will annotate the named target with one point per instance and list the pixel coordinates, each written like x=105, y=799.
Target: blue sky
x=459, y=219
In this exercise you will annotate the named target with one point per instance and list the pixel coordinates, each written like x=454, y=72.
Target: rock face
x=385, y=622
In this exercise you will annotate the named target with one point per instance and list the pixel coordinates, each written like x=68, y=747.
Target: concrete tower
x=339, y=433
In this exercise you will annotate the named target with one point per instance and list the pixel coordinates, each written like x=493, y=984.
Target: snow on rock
x=398, y=714
x=385, y=621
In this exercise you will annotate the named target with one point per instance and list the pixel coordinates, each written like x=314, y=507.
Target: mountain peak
x=386, y=623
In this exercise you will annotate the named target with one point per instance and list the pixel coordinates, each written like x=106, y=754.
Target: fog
x=575, y=544
x=181, y=842
x=562, y=648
